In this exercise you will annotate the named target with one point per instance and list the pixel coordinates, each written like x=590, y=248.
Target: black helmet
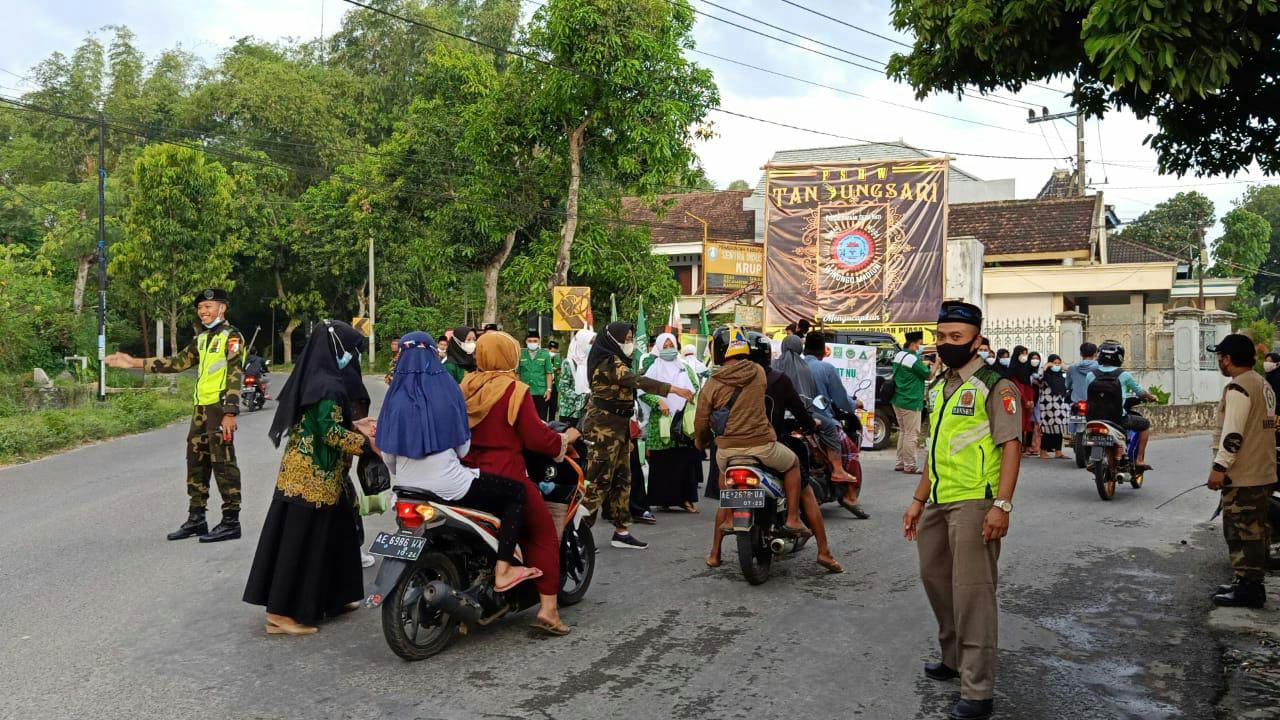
x=761, y=350
x=719, y=344
x=1111, y=353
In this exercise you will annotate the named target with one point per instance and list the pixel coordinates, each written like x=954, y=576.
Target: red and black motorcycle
x=437, y=569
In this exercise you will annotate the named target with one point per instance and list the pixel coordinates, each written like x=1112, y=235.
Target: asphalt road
x=1102, y=611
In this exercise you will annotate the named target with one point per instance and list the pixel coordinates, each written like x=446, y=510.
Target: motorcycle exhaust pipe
x=781, y=546
x=439, y=596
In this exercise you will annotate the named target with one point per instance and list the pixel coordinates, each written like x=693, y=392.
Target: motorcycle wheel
x=1080, y=452
x=754, y=556
x=577, y=564
x=412, y=631
x=1104, y=479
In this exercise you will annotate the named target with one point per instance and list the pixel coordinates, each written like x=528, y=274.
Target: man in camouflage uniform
x=1244, y=469
x=606, y=426
x=218, y=353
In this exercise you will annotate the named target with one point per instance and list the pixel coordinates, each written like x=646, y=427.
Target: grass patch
x=28, y=435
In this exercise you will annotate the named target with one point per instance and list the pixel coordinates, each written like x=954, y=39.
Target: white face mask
x=1056, y=368
x=1269, y=365
x=1022, y=358
x=1035, y=363
x=531, y=345
x=469, y=348
x=990, y=360
x=628, y=348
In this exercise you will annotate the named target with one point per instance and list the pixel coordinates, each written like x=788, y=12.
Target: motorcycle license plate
x=1099, y=440
x=742, y=499
x=400, y=547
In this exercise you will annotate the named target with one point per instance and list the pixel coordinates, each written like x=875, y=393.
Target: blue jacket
x=1077, y=379
x=827, y=382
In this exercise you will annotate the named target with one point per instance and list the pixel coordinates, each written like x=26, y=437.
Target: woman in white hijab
x=690, y=355
x=573, y=387
x=675, y=466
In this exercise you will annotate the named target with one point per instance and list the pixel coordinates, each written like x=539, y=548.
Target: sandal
x=558, y=630
x=854, y=508
x=530, y=573
x=796, y=532
x=833, y=566
x=691, y=508
x=646, y=519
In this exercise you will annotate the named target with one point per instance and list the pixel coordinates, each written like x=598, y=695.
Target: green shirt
x=534, y=369
x=455, y=371
x=909, y=374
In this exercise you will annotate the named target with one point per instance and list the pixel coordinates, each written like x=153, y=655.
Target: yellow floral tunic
x=317, y=457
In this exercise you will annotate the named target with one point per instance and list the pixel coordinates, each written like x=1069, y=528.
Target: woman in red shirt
x=505, y=423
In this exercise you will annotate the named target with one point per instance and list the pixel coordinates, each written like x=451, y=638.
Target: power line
x=589, y=76
x=857, y=94
x=785, y=30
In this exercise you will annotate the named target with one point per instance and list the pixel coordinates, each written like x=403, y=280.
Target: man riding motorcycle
x=1110, y=360
x=781, y=397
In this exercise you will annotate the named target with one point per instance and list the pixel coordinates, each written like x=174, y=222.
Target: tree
x=738, y=185
x=1175, y=226
x=627, y=107
x=1265, y=201
x=177, y=224
x=1204, y=70
x=1245, y=242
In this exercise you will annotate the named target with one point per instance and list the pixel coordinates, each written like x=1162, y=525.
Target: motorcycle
x=759, y=506
x=1113, y=453
x=813, y=457
x=253, y=388
x=1076, y=426
x=435, y=579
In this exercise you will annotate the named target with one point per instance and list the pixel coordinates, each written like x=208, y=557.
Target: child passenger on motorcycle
x=424, y=431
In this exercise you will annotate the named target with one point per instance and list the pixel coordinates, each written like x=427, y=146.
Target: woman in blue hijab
x=423, y=431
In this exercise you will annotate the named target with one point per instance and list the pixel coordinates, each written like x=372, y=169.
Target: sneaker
x=367, y=560
x=628, y=542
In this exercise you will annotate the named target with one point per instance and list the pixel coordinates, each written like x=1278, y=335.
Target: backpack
x=1105, y=396
x=720, y=416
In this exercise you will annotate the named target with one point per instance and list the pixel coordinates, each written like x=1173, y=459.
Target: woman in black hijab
x=1020, y=371
x=1055, y=407
x=460, y=358
x=308, y=560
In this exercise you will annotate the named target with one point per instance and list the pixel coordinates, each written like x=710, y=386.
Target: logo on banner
x=853, y=250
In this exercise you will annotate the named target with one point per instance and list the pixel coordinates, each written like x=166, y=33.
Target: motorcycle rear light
x=411, y=515
x=742, y=477
x=250, y=380
x=1082, y=406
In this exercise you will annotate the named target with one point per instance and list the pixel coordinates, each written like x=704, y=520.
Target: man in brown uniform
x=961, y=505
x=218, y=353
x=1244, y=469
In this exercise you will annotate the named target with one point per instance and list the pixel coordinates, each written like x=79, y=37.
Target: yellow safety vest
x=964, y=462
x=212, y=381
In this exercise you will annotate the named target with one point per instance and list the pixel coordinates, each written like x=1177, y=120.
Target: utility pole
x=102, y=257
x=1078, y=115
x=1200, y=265
x=373, y=312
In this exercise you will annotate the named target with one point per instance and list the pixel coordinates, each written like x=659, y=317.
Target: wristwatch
x=1004, y=505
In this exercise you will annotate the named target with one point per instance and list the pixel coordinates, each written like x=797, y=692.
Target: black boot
x=940, y=672
x=972, y=709
x=195, y=525
x=228, y=529
x=1247, y=593
x=1228, y=587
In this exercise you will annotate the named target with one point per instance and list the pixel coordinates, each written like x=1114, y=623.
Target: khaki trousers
x=908, y=436
x=959, y=575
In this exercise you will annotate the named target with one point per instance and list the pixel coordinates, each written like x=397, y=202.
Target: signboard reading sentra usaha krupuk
x=850, y=244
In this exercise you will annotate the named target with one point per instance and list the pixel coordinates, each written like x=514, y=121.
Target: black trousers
x=1051, y=442
x=542, y=406
x=505, y=498
x=639, y=502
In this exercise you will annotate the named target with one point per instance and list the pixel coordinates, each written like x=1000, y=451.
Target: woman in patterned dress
x=573, y=386
x=307, y=564
x=1055, y=407
x=675, y=468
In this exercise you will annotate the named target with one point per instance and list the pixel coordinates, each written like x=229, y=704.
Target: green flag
x=642, y=340
x=613, y=308
x=702, y=318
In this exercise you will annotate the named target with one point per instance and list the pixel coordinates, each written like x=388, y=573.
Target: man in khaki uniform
x=962, y=503
x=1244, y=469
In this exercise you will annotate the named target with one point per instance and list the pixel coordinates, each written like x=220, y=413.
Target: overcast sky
x=1115, y=151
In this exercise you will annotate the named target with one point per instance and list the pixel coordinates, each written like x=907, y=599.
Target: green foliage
x=1263, y=333
x=1202, y=69
x=397, y=318
x=1162, y=395
x=1174, y=226
x=1264, y=200
x=37, y=325
x=738, y=185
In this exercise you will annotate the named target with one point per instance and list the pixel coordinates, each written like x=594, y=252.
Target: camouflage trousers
x=608, y=465
x=208, y=454
x=1247, y=529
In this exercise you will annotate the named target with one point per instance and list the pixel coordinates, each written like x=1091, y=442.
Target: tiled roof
x=1017, y=227
x=1061, y=184
x=868, y=151
x=726, y=220
x=1120, y=250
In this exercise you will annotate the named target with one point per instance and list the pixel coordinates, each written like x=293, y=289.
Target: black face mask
x=955, y=356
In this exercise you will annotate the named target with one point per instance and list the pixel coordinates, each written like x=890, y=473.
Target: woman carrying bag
x=675, y=465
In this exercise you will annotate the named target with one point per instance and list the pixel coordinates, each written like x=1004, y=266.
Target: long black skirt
x=674, y=476
x=308, y=562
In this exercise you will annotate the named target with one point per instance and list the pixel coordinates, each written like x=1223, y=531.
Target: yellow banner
x=732, y=266
x=570, y=308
